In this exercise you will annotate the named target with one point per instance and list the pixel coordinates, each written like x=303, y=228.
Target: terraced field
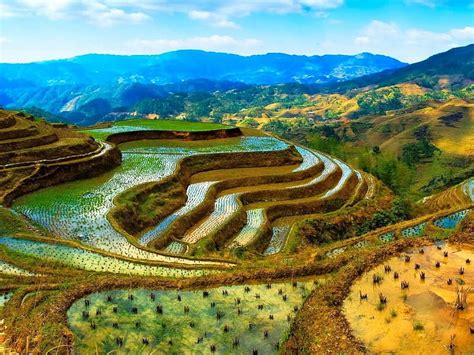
x=35, y=154
x=79, y=210
x=422, y=315
x=457, y=196
x=241, y=203
x=188, y=321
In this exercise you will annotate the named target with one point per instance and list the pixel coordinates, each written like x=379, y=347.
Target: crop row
x=277, y=241
x=103, y=133
x=91, y=261
x=231, y=319
x=224, y=207
x=451, y=221
x=279, y=234
x=231, y=145
x=78, y=210
x=310, y=159
x=468, y=188
x=447, y=222
x=176, y=248
x=329, y=168
x=9, y=269
x=254, y=217
x=414, y=231
x=195, y=195
x=251, y=230
x=346, y=173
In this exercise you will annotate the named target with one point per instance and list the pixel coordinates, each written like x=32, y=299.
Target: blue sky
x=409, y=30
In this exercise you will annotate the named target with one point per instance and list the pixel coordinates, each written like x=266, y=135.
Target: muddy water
x=420, y=319
x=258, y=317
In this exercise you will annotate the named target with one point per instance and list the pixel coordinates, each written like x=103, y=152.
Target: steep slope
x=454, y=68
x=173, y=67
x=36, y=154
x=94, y=85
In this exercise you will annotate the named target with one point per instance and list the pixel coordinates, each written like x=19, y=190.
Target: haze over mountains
x=66, y=84
x=172, y=67
x=87, y=88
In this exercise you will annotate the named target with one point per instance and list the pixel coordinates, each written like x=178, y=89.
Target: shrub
x=418, y=326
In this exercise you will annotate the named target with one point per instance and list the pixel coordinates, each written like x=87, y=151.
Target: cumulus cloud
x=415, y=44
x=215, y=19
x=209, y=43
x=53, y=9
x=466, y=33
x=100, y=12
x=220, y=13
x=104, y=15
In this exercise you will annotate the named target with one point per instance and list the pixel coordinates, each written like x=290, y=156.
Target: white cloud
x=410, y=44
x=379, y=28
x=53, y=9
x=7, y=11
x=362, y=40
x=104, y=15
x=466, y=33
x=215, y=19
x=322, y=4
x=209, y=43
x=415, y=36
x=100, y=12
x=219, y=13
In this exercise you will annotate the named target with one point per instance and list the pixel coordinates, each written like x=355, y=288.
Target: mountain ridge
x=455, y=66
x=171, y=67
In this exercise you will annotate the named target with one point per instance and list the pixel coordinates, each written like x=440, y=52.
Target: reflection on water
x=420, y=318
x=228, y=319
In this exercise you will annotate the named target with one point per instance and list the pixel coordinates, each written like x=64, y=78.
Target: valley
x=192, y=210
x=268, y=204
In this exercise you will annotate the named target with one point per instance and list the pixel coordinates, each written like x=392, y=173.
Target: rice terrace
x=170, y=200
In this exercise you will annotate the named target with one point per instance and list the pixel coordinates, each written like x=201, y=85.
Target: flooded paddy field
x=228, y=319
x=417, y=303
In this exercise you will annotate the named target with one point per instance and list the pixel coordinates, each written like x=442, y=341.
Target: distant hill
x=197, y=85
x=177, y=66
x=105, y=83
x=451, y=69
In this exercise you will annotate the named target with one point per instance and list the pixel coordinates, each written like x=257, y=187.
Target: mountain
x=66, y=85
x=197, y=85
x=173, y=67
x=451, y=69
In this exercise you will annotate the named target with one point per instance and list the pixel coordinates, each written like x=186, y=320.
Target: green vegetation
x=378, y=102
x=188, y=321
x=156, y=124
x=171, y=125
x=418, y=326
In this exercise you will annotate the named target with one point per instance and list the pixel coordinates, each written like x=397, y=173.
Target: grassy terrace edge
x=343, y=271
x=303, y=336
x=121, y=215
x=167, y=127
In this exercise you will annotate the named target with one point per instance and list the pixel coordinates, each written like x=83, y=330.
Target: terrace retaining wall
x=123, y=137
x=49, y=175
x=130, y=222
